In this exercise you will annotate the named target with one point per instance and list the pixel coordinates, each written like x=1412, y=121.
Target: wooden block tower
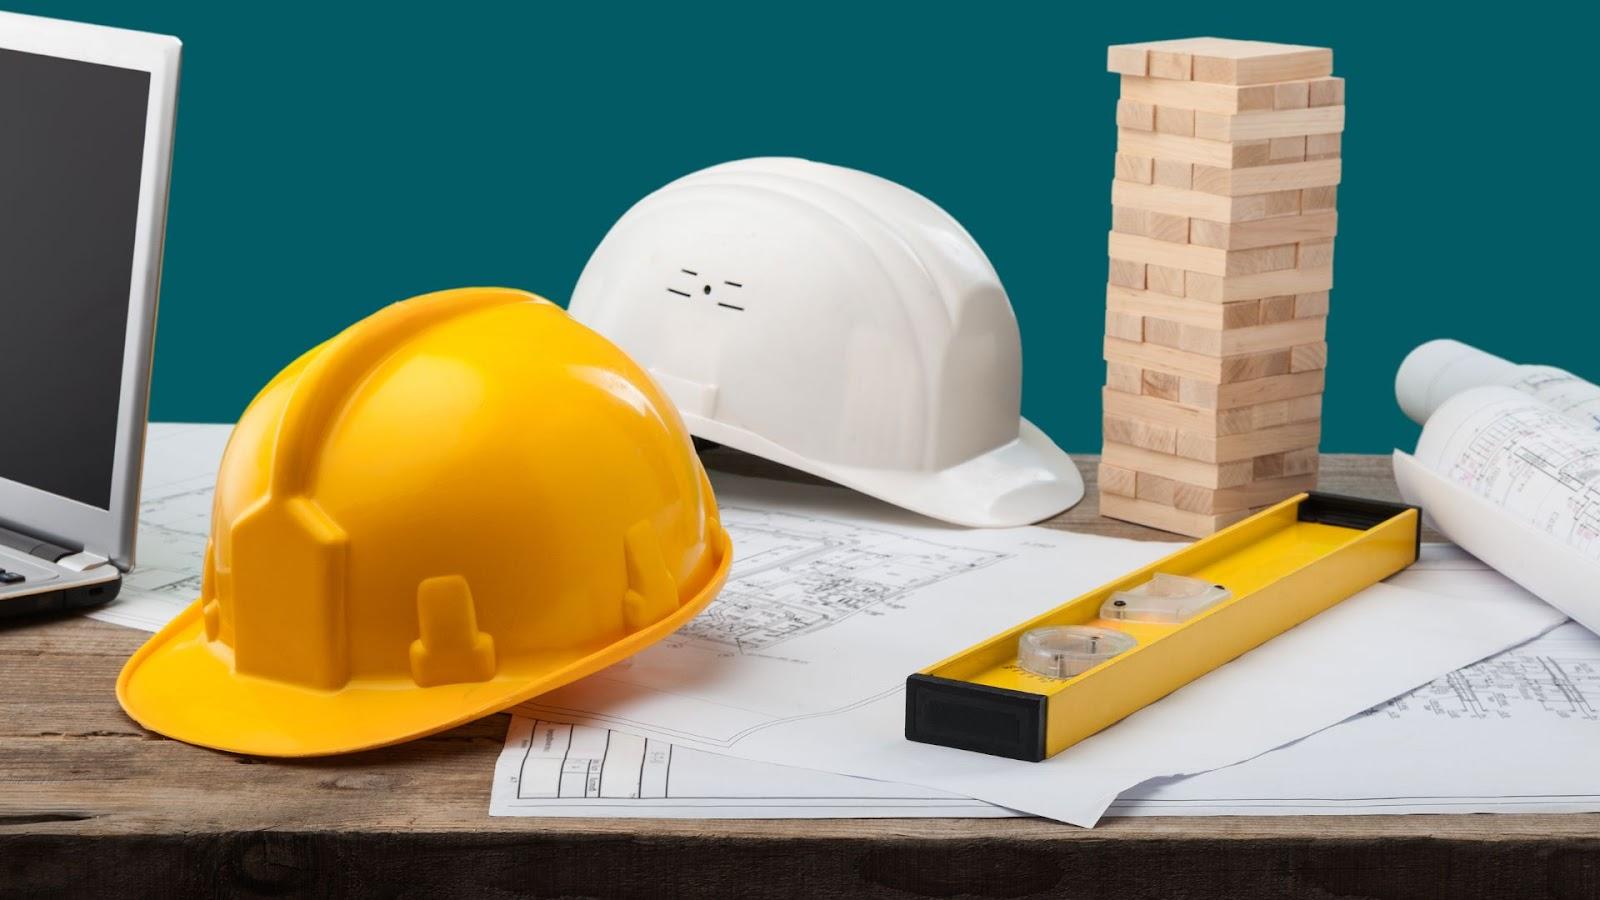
x=1221, y=248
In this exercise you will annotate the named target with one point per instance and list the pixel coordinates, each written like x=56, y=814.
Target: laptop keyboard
x=7, y=578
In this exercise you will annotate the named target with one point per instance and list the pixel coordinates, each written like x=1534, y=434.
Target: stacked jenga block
x=1221, y=250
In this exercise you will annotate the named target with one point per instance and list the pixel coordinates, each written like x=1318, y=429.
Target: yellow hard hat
x=460, y=502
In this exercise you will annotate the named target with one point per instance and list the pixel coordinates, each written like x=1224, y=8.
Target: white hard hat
x=836, y=323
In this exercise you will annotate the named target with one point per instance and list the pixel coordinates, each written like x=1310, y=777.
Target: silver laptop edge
x=95, y=536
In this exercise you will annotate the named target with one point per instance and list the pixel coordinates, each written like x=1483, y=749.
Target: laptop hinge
x=82, y=562
x=33, y=546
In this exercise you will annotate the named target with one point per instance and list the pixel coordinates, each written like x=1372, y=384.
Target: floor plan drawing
x=180, y=476
x=796, y=574
x=1540, y=465
x=1554, y=676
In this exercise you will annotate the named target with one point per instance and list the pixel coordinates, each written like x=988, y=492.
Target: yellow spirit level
x=1037, y=689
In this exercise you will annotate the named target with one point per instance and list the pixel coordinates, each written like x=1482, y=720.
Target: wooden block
x=1193, y=498
x=1172, y=64
x=1128, y=274
x=1311, y=305
x=1212, y=207
x=1199, y=96
x=1158, y=384
x=1193, y=258
x=1291, y=95
x=1213, y=475
x=1175, y=148
x=1163, y=412
x=1221, y=60
x=1211, y=422
x=1302, y=409
x=1176, y=120
x=1211, y=395
x=1268, y=123
x=1163, y=253
x=1236, y=447
x=1241, y=314
x=1126, y=327
x=1250, y=366
x=1256, y=62
x=1154, y=488
x=1129, y=221
x=1288, y=464
x=1315, y=253
x=1164, y=227
x=1182, y=310
x=1165, y=280
x=1213, y=369
x=1128, y=59
x=1323, y=146
x=1123, y=377
x=1304, y=461
x=1168, y=173
x=1117, y=480
x=1146, y=435
x=1279, y=309
x=1309, y=357
x=1325, y=92
x=1136, y=115
x=1320, y=197
x=1280, y=203
x=1288, y=149
x=1133, y=169
x=1164, y=332
x=1262, y=233
x=1250, y=153
x=1277, y=334
x=1166, y=518
x=1204, y=286
x=1262, y=259
x=1237, y=182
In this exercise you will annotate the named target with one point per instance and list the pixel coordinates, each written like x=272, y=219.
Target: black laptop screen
x=71, y=150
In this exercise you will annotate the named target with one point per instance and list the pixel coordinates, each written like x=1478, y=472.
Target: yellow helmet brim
x=177, y=684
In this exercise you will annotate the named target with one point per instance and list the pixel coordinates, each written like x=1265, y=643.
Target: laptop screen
x=72, y=137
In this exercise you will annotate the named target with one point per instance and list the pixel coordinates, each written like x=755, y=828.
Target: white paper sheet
x=1514, y=733
x=1535, y=704
x=180, y=475
x=556, y=770
x=832, y=698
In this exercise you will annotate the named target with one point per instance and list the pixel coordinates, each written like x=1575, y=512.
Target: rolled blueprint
x=1439, y=370
x=1508, y=467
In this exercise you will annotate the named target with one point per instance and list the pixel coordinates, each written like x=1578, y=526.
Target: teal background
x=331, y=159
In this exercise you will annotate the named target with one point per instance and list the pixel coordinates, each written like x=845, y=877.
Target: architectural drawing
x=796, y=574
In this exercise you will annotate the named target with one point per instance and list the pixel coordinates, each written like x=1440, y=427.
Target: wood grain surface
x=91, y=803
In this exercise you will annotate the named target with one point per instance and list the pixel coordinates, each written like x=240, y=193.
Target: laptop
x=86, y=119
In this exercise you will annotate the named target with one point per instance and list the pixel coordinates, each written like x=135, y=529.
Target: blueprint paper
x=557, y=770
x=180, y=475
x=1513, y=733
x=805, y=665
x=1515, y=481
x=1534, y=703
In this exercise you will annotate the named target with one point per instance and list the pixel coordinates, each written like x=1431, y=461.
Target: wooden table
x=88, y=798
